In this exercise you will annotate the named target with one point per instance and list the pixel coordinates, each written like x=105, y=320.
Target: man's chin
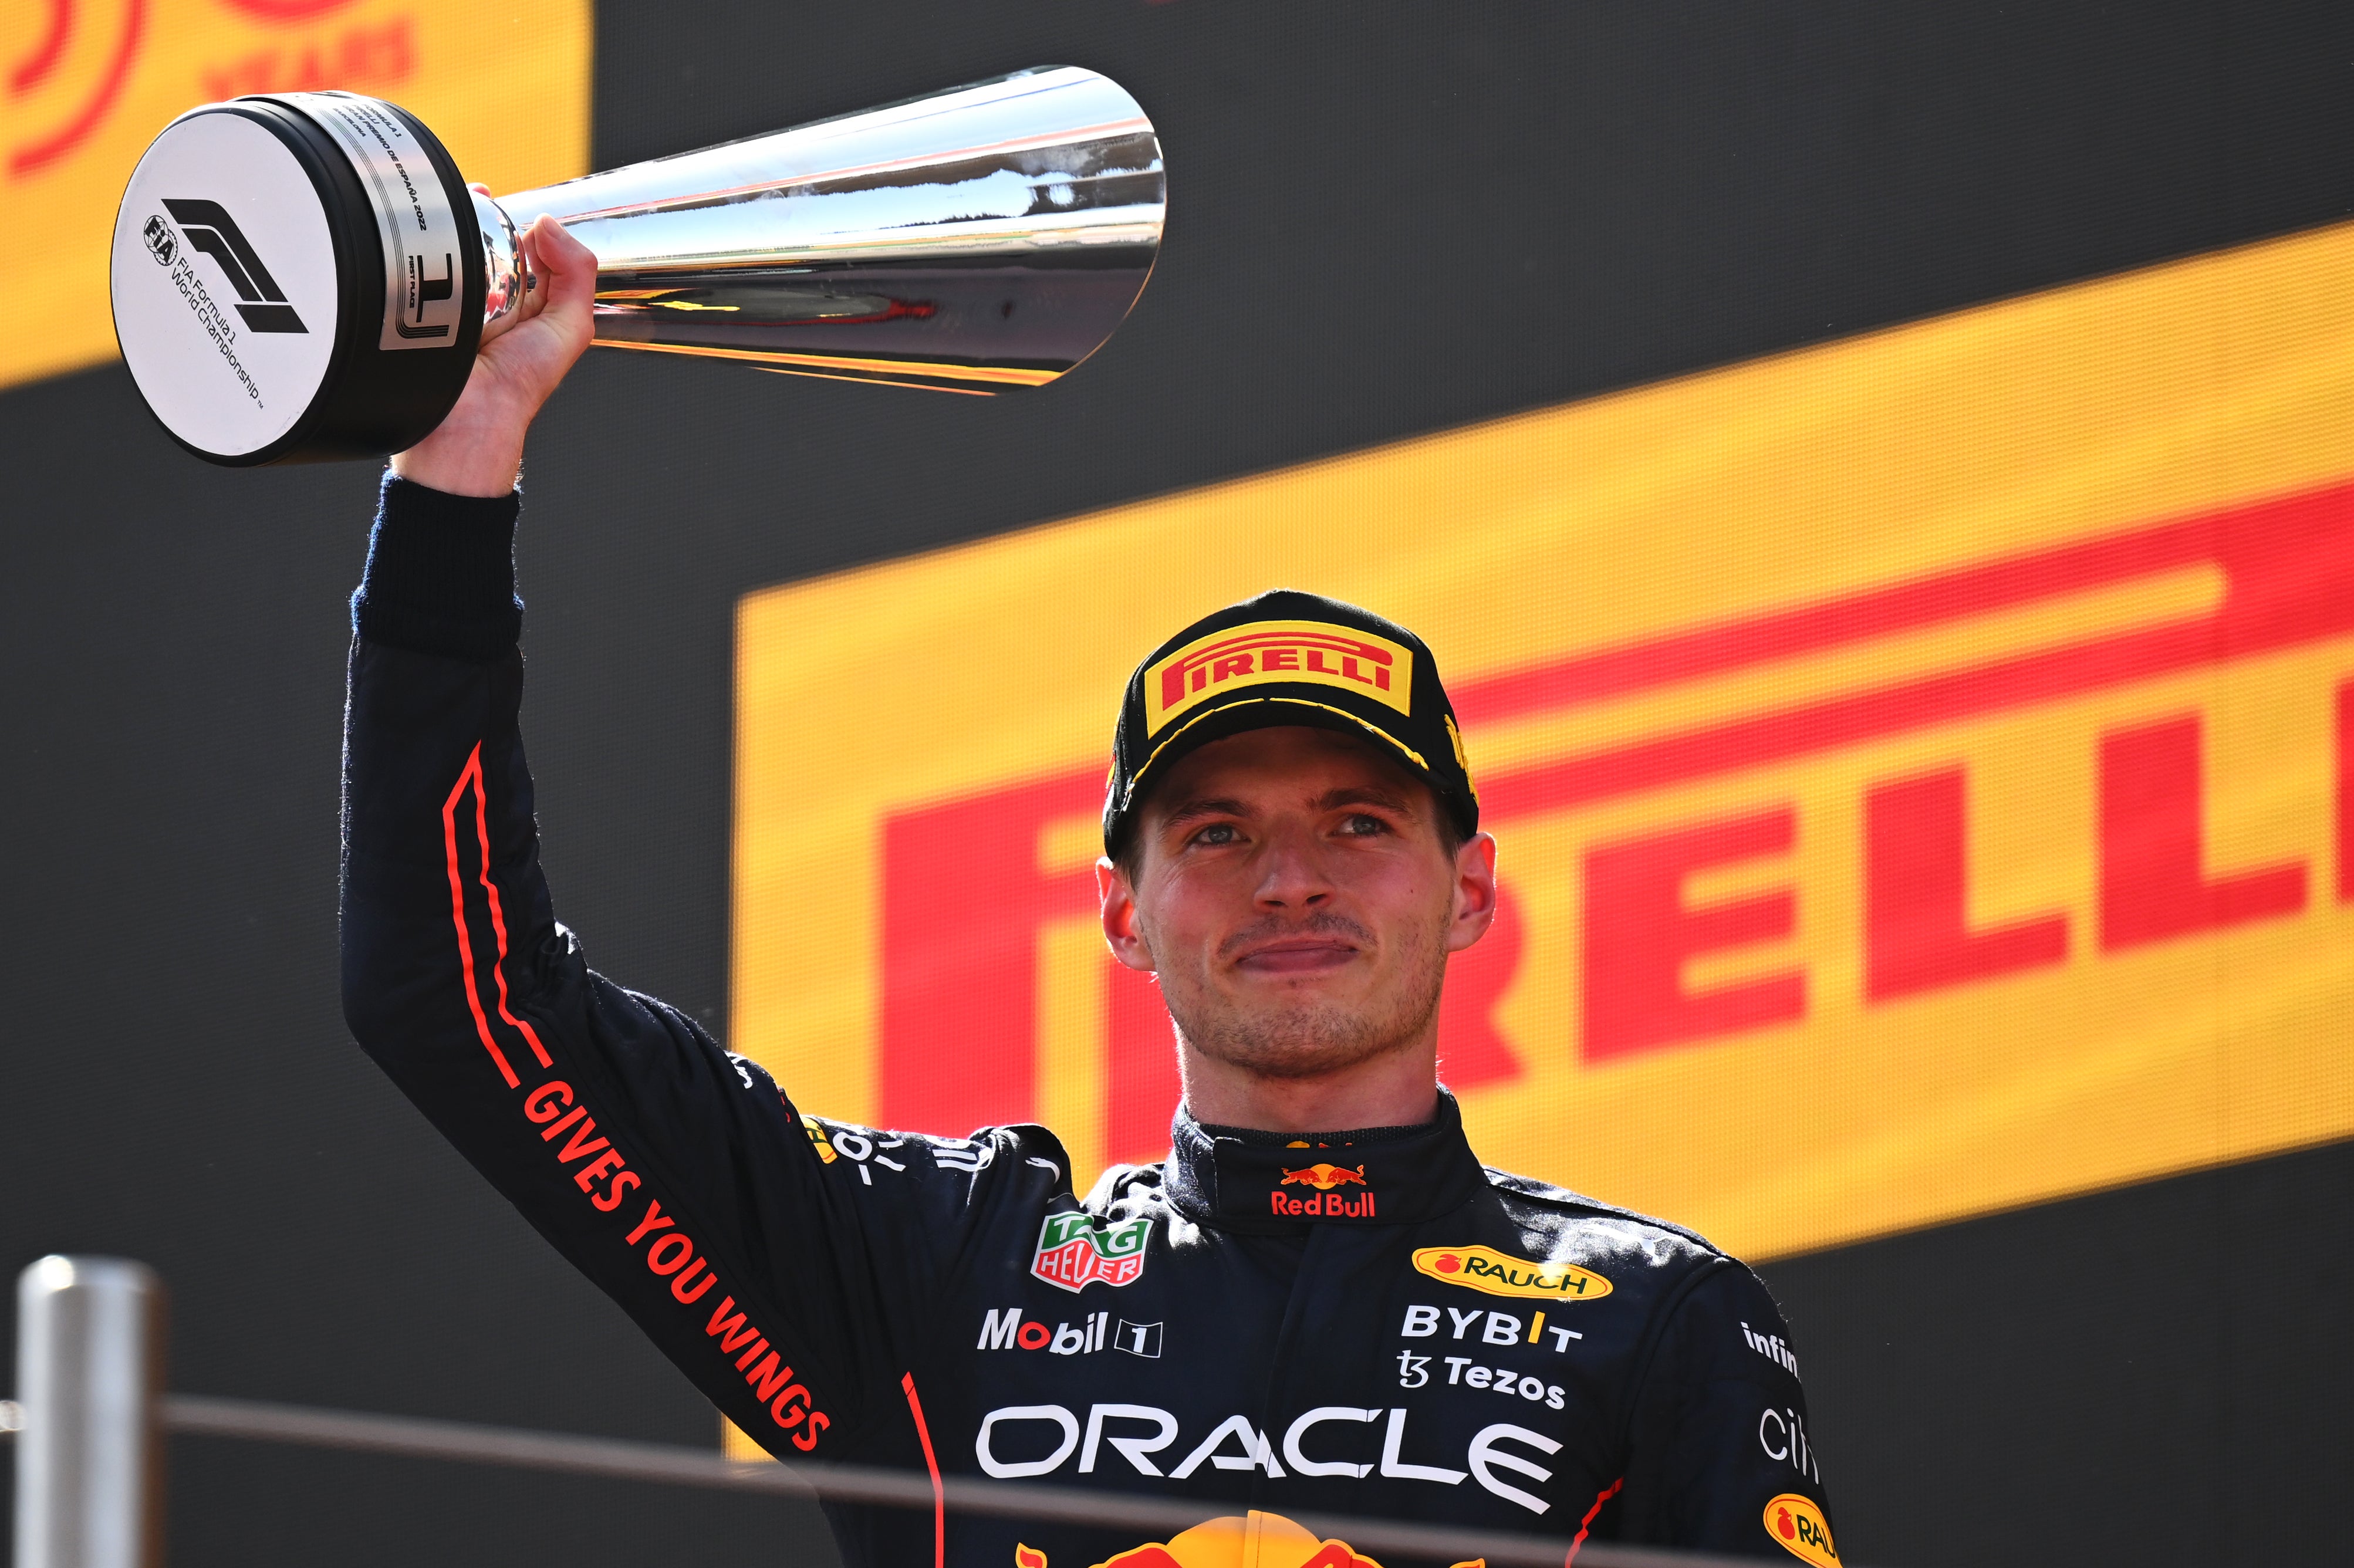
x=1296, y=1043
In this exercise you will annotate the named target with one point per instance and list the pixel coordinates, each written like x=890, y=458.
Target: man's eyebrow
x=1202, y=806
x=1363, y=795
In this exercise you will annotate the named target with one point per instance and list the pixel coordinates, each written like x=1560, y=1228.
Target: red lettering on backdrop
x=1471, y=1050
x=2346, y=793
x=1916, y=930
x=963, y=901
x=370, y=57
x=2154, y=881
x=1640, y=933
x=2288, y=563
x=1141, y=1088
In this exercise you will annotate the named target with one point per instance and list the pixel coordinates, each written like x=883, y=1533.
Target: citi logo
x=209, y=228
x=1771, y=1347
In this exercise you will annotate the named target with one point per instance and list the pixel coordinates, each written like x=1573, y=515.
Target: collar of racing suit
x=1259, y=1181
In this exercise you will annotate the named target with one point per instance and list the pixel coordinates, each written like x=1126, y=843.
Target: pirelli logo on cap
x=1313, y=652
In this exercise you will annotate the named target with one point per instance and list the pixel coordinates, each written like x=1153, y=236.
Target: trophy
x=302, y=277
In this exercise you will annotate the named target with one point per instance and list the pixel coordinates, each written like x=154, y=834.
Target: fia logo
x=209, y=228
x=160, y=242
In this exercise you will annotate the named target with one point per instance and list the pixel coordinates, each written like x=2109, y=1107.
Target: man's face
x=1295, y=895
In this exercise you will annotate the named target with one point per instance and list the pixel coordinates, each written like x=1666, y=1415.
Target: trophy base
x=297, y=278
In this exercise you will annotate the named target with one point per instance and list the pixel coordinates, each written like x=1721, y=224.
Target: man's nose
x=1291, y=873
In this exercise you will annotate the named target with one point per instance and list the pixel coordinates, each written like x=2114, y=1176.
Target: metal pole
x=90, y=1355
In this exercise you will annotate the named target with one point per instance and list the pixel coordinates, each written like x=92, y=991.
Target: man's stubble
x=1308, y=1037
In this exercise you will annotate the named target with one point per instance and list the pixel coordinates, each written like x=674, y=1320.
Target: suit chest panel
x=1362, y=1373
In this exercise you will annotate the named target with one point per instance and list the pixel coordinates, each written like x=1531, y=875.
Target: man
x=1322, y=1302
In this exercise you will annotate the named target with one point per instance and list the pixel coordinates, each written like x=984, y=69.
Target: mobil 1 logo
x=1004, y=1328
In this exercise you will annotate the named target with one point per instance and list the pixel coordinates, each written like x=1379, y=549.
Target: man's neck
x=1396, y=1089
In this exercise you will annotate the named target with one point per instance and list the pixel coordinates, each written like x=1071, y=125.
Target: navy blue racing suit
x=1359, y=1322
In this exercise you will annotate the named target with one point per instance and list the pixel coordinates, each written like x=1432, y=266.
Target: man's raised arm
x=671, y=1174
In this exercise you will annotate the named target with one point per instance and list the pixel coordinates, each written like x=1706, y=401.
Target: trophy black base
x=298, y=278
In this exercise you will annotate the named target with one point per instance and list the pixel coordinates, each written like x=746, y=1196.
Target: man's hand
x=477, y=449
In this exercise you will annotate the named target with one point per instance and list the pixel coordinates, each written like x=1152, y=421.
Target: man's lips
x=1298, y=955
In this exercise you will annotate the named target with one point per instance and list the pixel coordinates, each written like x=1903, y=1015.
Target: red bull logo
x=1324, y=1203
x=1324, y=1178
x=1255, y=1539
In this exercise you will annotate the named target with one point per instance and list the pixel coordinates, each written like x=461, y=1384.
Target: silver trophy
x=302, y=277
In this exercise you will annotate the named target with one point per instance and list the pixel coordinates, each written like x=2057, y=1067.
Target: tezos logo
x=1801, y=1529
x=1499, y=1273
x=209, y=228
x=160, y=242
x=1074, y=1254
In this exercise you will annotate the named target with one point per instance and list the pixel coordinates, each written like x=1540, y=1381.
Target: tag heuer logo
x=1073, y=1254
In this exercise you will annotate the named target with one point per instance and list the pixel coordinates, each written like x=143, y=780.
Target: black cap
x=1286, y=658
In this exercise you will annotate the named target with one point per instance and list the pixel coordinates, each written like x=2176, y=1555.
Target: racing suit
x=1364, y=1322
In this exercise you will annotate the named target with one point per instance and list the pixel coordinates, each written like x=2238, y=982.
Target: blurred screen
x=91, y=82
x=1919, y=764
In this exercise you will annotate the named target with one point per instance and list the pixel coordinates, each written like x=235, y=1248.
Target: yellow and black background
x=1550, y=329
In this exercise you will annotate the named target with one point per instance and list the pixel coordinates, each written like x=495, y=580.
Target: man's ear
x=1475, y=891
x=1116, y=903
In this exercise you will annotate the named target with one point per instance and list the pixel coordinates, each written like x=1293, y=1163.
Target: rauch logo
x=1074, y=1254
x=1801, y=1529
x=1498, y=1274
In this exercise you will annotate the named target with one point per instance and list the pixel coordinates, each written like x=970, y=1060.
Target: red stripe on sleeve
x=470, y=773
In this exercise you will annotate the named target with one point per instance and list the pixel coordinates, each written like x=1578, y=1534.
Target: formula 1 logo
x=424, y=290
x=209, y=228
x=1074, y=1254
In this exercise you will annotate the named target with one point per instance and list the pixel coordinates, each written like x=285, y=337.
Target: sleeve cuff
x=440, y=573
